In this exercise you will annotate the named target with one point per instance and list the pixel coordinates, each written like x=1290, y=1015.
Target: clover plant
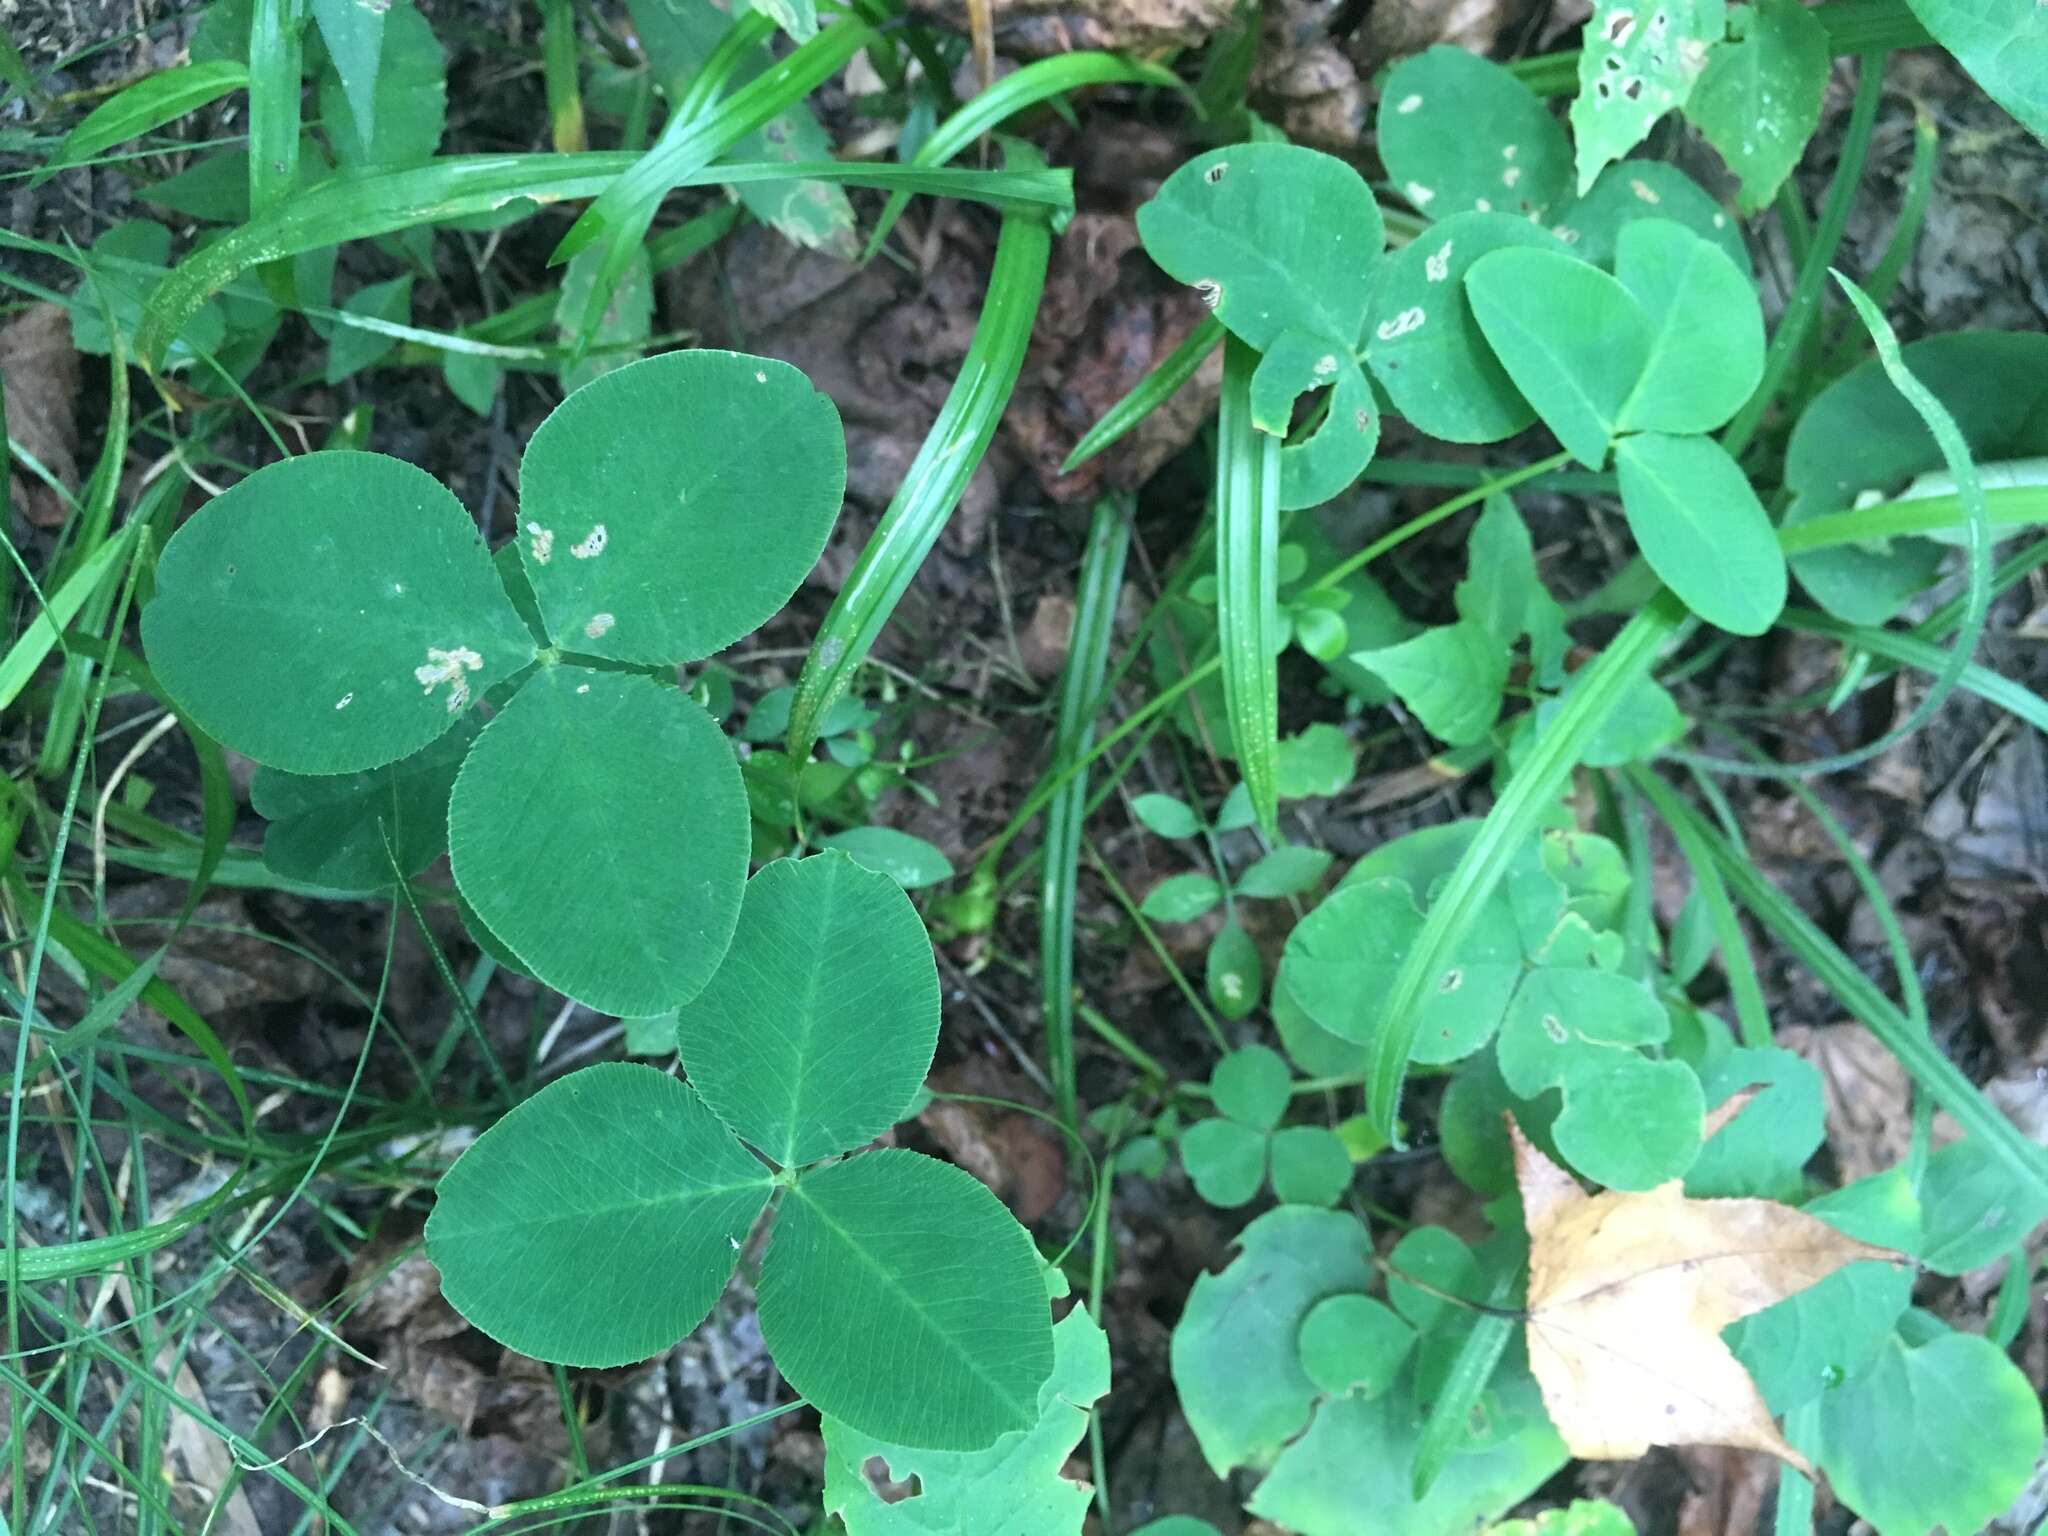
x=336, y=617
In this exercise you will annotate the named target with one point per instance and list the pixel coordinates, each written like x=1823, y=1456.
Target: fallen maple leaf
x=1628, y=1294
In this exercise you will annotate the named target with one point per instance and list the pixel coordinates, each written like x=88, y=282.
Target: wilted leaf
x=1628, y=1294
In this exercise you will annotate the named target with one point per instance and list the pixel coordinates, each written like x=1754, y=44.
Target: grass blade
x=1152, y=391
x=1788, y=341
x=1014, y=93
x=1599, y=686
x=935, y=481
x=1955, y=452
x=558, y=64
x=623, y=212
x=1924, y=1063
x=360, y=205
x=276, y=69
x=1449, y=1424
x=1095, y=598
x=143, y=107
x=1248, y=583
x=1995, y=688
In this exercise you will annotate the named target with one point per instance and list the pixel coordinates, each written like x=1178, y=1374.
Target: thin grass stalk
x=1248, y=584
x=1095, y=601
x=1515, y=816
x=1933, y=1072
x=935, y=482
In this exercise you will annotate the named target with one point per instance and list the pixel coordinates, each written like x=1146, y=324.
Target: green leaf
x=1288, y=871
x=1507, y=155
x=1473, y=1134
x=1276, y=237
x=473, y=380
x=1451, y=676
x=1236, y=1364
x=2004, y=46
x=1566, y=1023
x=330, y=830
x=1975, y=1211
x=651, y=545
x=1319, y=761
x=900, y=1296
x=352, y=348
x=1310, y=1166
x=354, y=37
x=623, y=325
x=1642, y=724
x=1571, y=337
x=149, y=103
x=330, y=613
x=1646, y=189
x=1424, y=343
x=1632, y=1125
x=597, y=1222
x=817, y=1030
x=411, y=99
x=1166, y=816
x=1635, y=65
x=1225, y=1161
x=1706, y=331
x=1181, y=898
x=1341, y=958
x=1313, y=471
x=1698, y=523
x=1354, y=1344
x=625, y=794
x=1502, y=592
x=1759, y=98
x=910, y=861
x=1860, y=434
x=1234, y=975
x=1251, y=1086
x=1972, y=1419
x=1348, y=1473
x=1247, y=507
x=1812, y=1341
x=1761, y=1152
x=1014, y=1485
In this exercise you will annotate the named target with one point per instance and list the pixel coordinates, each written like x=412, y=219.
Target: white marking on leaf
x=1553, y=1026
x=1216, y=172
x=543, y=543
x=1643, y=190
x=1419, y=195
x=1210, y=290
x=592, y=545
x=344, y=701
x=1408, y=104
x=1325, y=366
x=599, y=623
x=1439, y=266
x=447, y=667
x=1410, y=319
x=760, y=376
x=1482, y=205
x=1507, y=151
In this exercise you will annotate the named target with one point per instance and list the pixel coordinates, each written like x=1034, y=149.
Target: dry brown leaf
x=1628, y=1294
x=39, y=373
x=1868, y=1097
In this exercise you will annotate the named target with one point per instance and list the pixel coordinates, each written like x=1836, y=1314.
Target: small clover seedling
x=1229, y=1156
x=598, y=1222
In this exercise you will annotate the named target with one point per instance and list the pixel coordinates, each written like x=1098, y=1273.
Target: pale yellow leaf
x=1628, y=1294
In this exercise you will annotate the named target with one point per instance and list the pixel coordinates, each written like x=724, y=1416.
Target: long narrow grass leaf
x=1598, y=688
x=1017, y=92
x=1095, y=599
x=937, y=477
x=361, y=205
x=1449, y=1425
x=1955, y=452
x=39, y=637
x=276, y=38
x=145, y=106
x=624, y=211
x=1150, y=393
x=2008, y=694
x=1943, y=1081
x=1248, y=583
